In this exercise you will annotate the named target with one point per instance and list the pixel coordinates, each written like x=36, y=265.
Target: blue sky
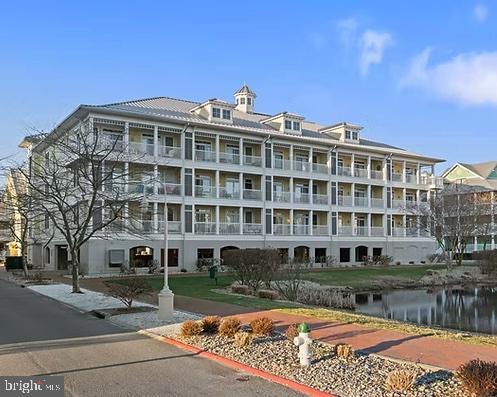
x=419, y=75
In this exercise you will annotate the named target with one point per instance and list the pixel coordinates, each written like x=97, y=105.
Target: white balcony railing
x=360, y=172
x=205, y=155
x=301, y=166
x=376, y=174
x=398, y=231
x=141, y=148
x=205, y=228
x=172, y=189
x=377, y=202
x=229, y=228
x=252, y=228
x=281, y=229
x=281, y=197
x=320, y=230
x=173, y=152
x=377, y=231
x=254, y=161
x=396, y=177
x=320, y=199
x=250, y=194
x=410, y=178
x=398, y=204
x=302, y=198
x=361, y=201
x=173, y=227
x=301, y=230
x=140, y=187
x=205, y=191
x=319, y=168
x=344, y=171
x=282, y=164
x=361, y=230
x=229, y=194
x=229, y=158
x=345, y=231
x=345, y=201
x=412, y=232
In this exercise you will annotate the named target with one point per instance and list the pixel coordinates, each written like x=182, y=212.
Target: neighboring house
x=480, y=180
x=237, y=178
x=6, y=244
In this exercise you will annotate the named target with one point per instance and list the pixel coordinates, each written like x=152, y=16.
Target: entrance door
x=61, y=257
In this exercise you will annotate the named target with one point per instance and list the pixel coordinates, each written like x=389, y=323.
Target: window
x=354, y=135
x=47, y=221
x=47, y=255
x=347, y=134
x=226, y=114
x=296, y=126
x=248, y=184
x=320, y=255
x=216, y=112
x=288, y=125
x=205, y=253
x=248, y=217
x=242, y=101
x=168, y=141
x=249, y=101
x=172, y=257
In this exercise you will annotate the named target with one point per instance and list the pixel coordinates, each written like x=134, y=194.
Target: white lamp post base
x=166, y=305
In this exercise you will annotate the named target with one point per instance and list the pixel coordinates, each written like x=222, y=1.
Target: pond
x=466, y=309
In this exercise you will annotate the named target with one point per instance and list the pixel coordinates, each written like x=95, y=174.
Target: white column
x=217, y=219
x=291, y=158
x=291, y=221
x=311, y=192
x=385, y=172
x=418, y=174
x=311, y=224
x=217, y=148
x=126, y=137
x=217, y=184
x=156, y=179
x=352, y=165
x=310, y=159
x=240, y=181
x=241, y=151
x=328, y=161
x=291, y=189
x=155, y=218
x=368, y=194
x=352, y=193
x=353, y=223
x=369, y=167
x=241, y=219
x=156, y=141
x=369, y=224
x=404, y=171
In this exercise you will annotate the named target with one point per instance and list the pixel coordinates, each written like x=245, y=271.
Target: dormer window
x=249, y=101
x=347, y=134
x=288, y=124
x=216, y=113
x=355, y=135
x=242, y=101
x=296, y=126
x=226, y=114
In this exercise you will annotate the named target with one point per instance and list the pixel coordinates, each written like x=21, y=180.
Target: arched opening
x=361, y=252
x=226, y=249
x=141, y=256
x=301, y=252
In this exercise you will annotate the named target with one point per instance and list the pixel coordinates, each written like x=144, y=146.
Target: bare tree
x=454, y=216
x=78, y=185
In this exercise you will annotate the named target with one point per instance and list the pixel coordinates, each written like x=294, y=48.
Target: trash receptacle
x=213, y=273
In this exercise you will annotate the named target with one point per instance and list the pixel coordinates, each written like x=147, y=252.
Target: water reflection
x=465, y=309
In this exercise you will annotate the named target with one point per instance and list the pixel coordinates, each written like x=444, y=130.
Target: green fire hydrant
x=304, y=343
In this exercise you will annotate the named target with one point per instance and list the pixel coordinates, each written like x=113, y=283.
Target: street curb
x=239, y=366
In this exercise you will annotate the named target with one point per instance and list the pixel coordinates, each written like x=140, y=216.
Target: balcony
x=436, y=181
x=140, y=188
x=320, y=230
x=377, y=231
x=229, y=194
x=344, y=171
x=282, y=164
x=205, y=191
x=302, y=198
x=301, y=230
x=319, y=168
x=360, y=172
x=172, y=189
x=229, y=158
x=320, y=199
x=173, y=227
x=345, y=201
x=173, y=152
x=411, y=178
x=229, y=228
x=361, y=230
x=377, y=203
x=281, y=229
x=397, y=177
x=360, y=201
x=250, y=194
x=301, y=166
x=252, y=228
x=376, y=174
x=345, y=231
x=252, y=161
x=281, y=197
x=412, y=232
x=398, y=204
x=205, y=155
x=398, y=232
x=141, y=148
x=205, y=228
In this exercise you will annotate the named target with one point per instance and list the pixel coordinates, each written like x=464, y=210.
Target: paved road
x=100, y=359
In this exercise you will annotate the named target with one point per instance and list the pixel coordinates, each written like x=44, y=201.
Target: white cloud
x=372, y=45
x=480, y=12
x=469, y=79
x=347, y=31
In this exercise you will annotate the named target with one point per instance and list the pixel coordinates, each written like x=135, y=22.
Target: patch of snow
x=89, y=300
x=149, y=321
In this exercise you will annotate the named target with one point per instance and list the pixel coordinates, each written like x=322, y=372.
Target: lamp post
x=166, y=296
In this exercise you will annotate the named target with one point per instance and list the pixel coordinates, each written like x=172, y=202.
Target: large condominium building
x=235, y=177
x=478, y=179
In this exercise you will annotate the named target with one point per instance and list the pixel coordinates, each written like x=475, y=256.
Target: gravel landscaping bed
x=360, y=376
